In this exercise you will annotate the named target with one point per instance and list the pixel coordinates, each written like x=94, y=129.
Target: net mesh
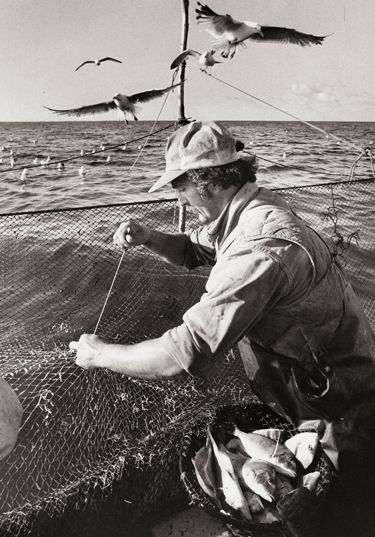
x=98, y=452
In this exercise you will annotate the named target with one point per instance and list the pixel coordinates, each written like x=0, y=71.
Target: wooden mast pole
x=184, y=38
x=182, y=119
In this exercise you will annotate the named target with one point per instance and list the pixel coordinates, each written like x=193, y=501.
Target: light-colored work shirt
x=277, y=291
x=248, y=278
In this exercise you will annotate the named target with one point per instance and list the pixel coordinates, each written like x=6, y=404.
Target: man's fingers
x=73, y=345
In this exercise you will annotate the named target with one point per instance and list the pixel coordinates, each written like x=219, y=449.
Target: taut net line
x=97, y=453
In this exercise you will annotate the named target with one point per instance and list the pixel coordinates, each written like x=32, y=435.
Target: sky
x=42, y=42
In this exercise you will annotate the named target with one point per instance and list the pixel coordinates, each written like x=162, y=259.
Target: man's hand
x=131, y=234
x=88, y=350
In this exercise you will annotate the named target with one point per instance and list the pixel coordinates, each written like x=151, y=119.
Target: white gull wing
x=149, y=95
x=215, y=24
x=183, y=55
x=86, y=110
x=275, y=34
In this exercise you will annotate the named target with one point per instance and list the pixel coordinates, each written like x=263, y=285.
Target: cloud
x=315, y=94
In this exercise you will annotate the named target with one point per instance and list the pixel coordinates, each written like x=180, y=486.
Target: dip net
x=98, y=452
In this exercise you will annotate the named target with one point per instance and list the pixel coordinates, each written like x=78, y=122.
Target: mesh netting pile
x=98, y=452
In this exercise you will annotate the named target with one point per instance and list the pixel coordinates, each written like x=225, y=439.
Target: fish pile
x=259, y=476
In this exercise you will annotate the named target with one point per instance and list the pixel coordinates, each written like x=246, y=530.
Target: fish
x=254, y=501
x=234, y=445
x=254, y=474
x=310, y=480
x=230, y=486
x=260, y=477
x=203, y=463
x=266, y=449
x=283, y=486
x=304, y=447
x=278, y=435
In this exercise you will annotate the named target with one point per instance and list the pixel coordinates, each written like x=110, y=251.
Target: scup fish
x=203, y=463
x=254, y=474
x=283, y=486
x=310, y=480
x=230, y=486
x=304, y=447
x=295, y=502
x=260, y=477
x=254, y=501
x=266, y=449
x=278, y=435
x=234, y=445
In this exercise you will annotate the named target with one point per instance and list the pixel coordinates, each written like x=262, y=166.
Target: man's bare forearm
x=169, y=246
x=145, y=360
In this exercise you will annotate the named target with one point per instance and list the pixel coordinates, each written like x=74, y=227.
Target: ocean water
x=127, y=159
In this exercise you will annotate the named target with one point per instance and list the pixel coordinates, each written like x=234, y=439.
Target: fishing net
x=247, y=417
x=98, y=452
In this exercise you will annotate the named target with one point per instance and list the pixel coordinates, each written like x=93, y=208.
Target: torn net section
x=98, y=452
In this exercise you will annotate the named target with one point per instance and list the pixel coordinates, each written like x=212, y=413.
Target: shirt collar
x=220, y=228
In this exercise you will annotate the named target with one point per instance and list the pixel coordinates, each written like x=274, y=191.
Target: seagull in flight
x=230, y=34
x=124, y=103
x=206, y=58
x=98, y=62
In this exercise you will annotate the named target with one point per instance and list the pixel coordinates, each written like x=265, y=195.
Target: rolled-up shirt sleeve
x=241, y=288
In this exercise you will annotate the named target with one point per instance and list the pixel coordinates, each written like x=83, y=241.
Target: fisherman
x=274, y=289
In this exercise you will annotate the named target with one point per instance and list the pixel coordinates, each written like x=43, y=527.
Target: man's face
x=187, y=194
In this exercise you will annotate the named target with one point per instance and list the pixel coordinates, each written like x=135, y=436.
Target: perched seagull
x=125, y=103
x=23, y=175
x=206, y=58
x=98, y=62
x=230, y=34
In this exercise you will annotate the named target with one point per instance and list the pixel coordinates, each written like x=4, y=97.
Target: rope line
x=290, y=167
x=153, y=126
x=358, y=148
x=109, y=292
x=87, y=154
x=304, y=168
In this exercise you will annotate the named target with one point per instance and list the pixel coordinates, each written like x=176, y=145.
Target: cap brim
x=166, y=178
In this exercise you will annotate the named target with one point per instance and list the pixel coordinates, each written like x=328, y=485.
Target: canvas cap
x=200, y=144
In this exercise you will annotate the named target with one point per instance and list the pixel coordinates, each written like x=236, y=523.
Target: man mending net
x=277, y=292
